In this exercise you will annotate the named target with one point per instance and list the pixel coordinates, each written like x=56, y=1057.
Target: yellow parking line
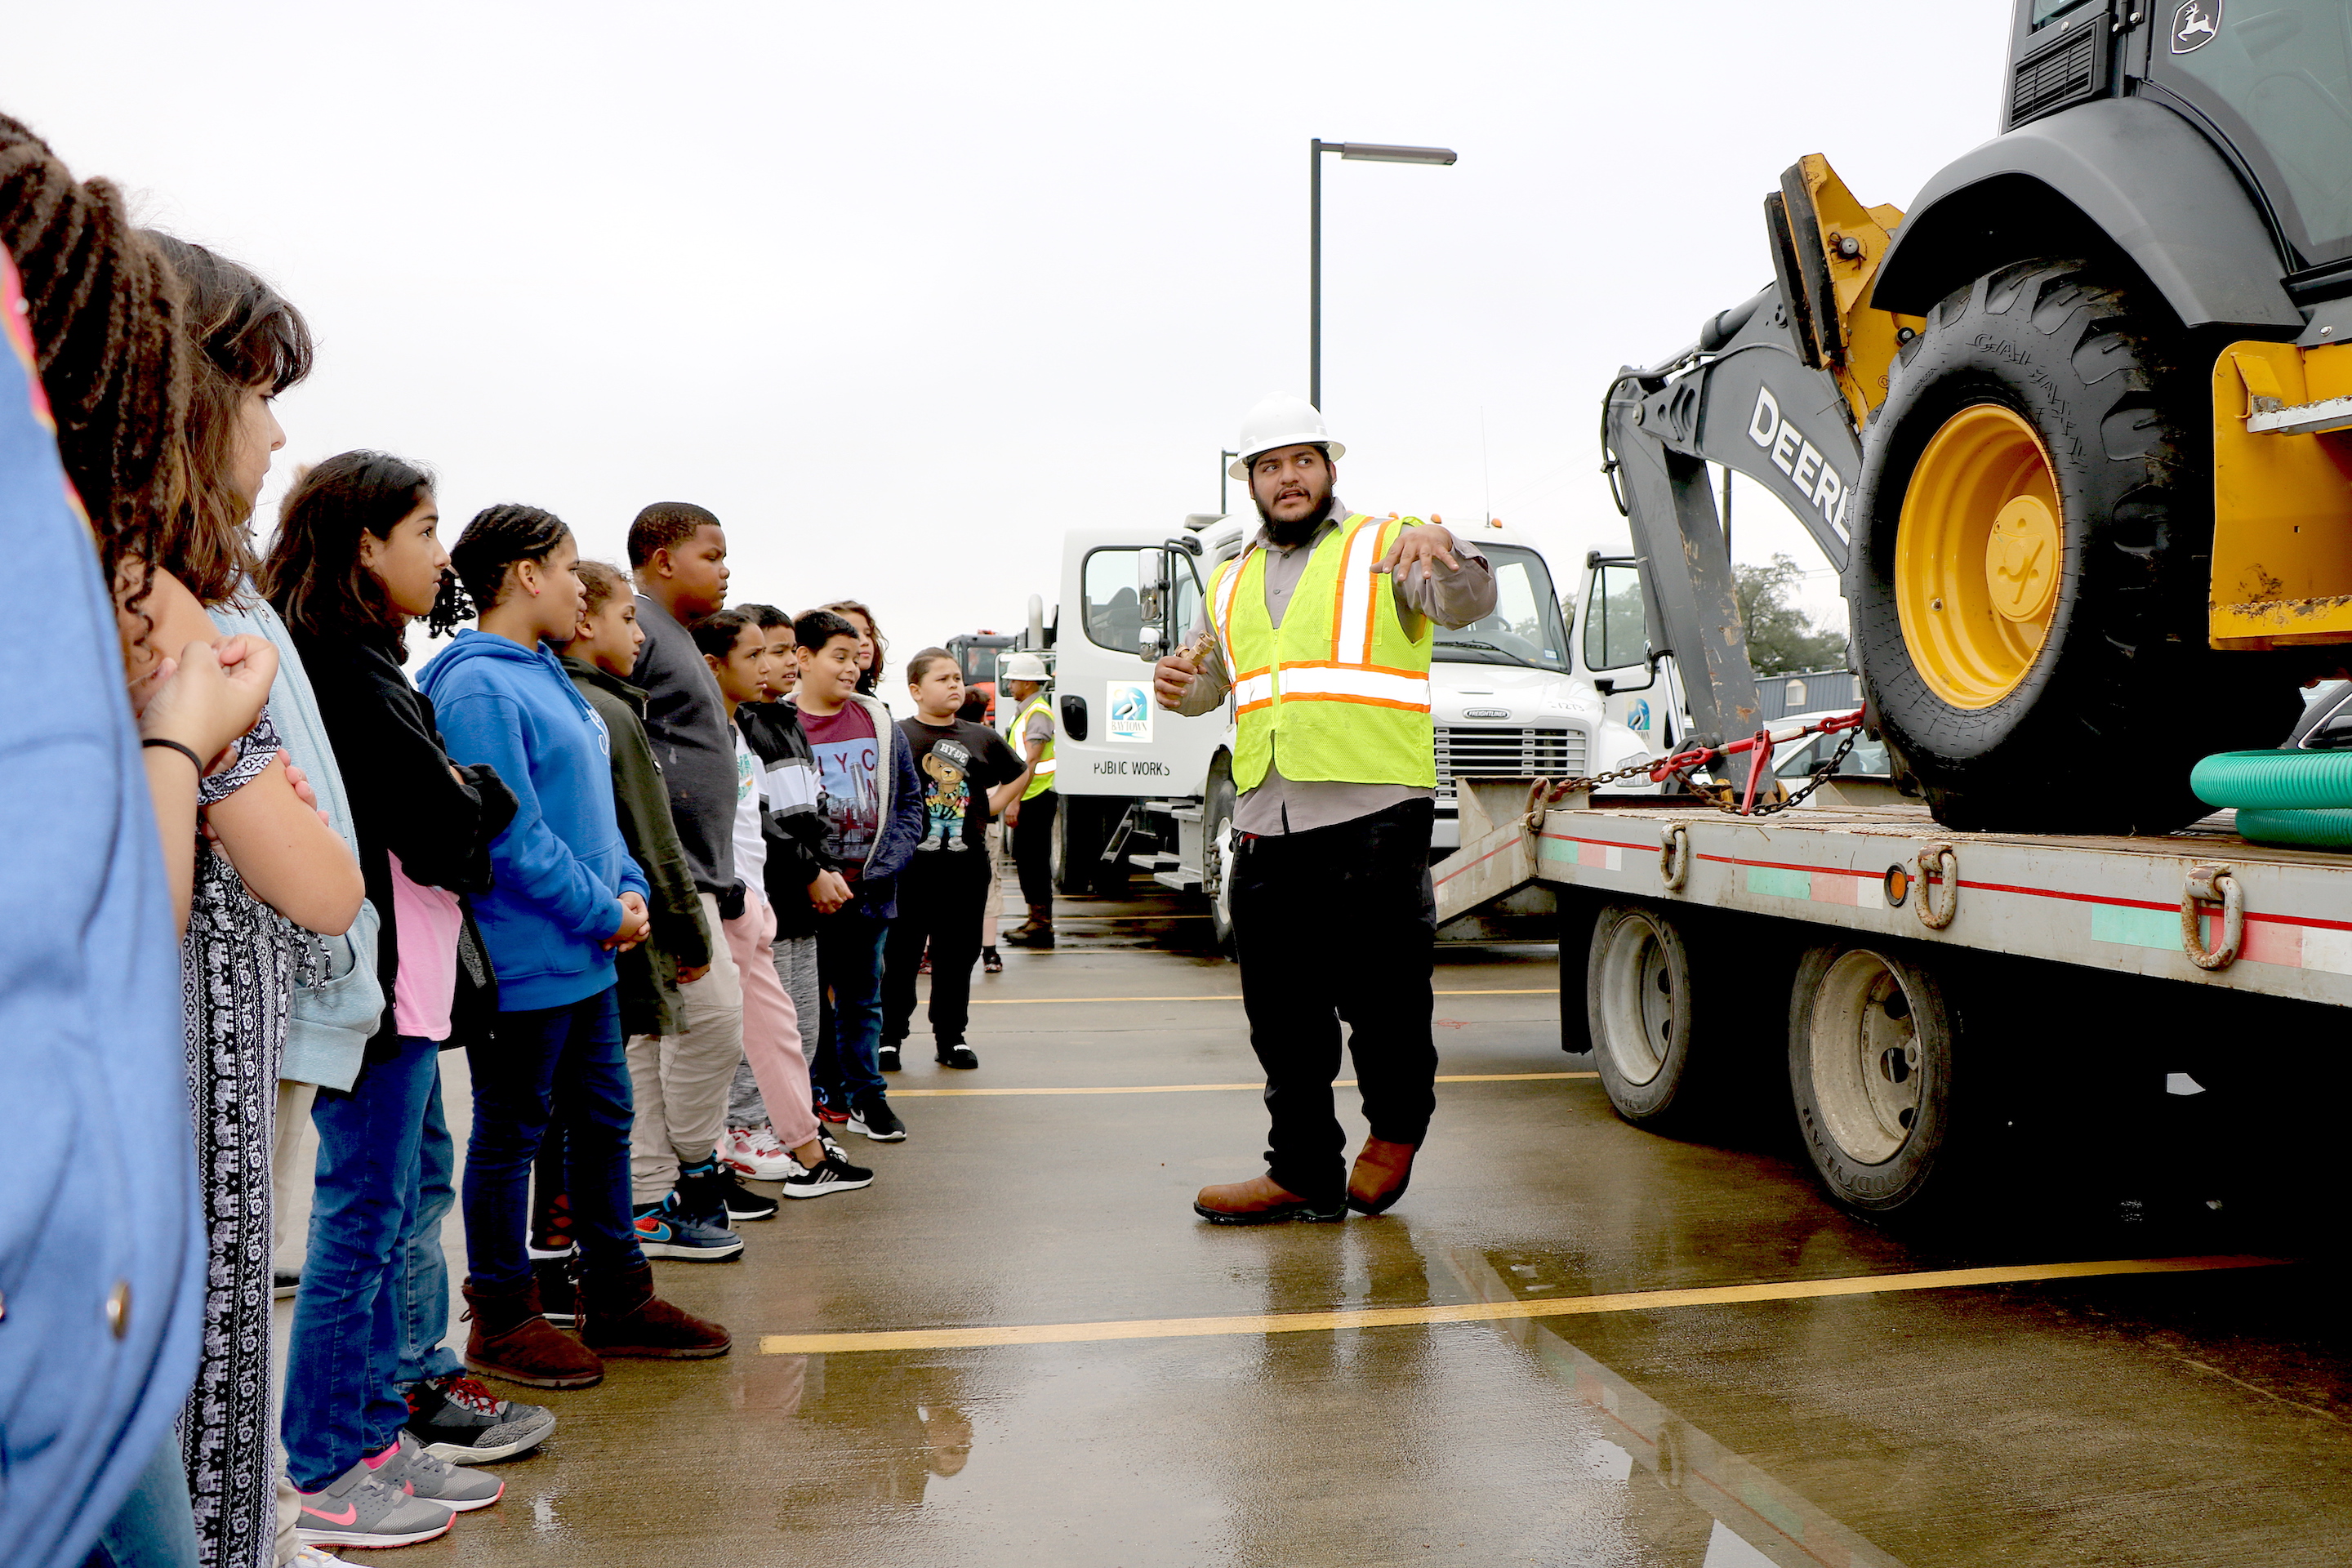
x=1479, y=1312
x=1235, y=996
x=1195, y=1087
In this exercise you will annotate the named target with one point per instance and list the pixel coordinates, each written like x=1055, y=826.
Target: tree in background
x=1781, y=638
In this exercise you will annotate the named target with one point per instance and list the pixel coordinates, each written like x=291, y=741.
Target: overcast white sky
x=904, y=292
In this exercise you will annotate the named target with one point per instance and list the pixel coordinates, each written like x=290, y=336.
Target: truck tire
x=1871, y=1038
x=2032, y=535
x=1080, y=832
x=1576, y=918
x=1217, y=831
x=1647, y=1018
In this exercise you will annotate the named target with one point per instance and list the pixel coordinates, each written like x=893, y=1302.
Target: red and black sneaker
x=456, y=1418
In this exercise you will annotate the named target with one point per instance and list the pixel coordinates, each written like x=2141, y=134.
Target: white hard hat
x=1023, y=666
x=1280, y=420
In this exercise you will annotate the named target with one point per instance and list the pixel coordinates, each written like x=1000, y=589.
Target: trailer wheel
x=1644, y=1013
x=1081, y=828
x=1870, y=1068
x=1216, y=853
x=2032, y=542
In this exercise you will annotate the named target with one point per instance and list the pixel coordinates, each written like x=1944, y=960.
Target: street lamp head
x=1377, y=152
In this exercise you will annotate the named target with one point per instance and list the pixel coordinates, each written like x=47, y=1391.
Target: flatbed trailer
x=1884, y=939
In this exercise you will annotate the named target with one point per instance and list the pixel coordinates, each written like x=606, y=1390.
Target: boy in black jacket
x=797, y=865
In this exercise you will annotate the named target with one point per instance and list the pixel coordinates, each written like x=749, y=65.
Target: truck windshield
x=2283, y=70
x=1526, y=627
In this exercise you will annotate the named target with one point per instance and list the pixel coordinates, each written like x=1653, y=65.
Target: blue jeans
x=425, y=1267
x=550, y=1066
x=155, y=1527
x=849, y=965
x=340, y=1399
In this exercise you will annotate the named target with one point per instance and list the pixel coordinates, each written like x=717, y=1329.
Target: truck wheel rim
x=1640, y=1010
x=1867, y=1074
x=1219, y=858
x=1979, y=554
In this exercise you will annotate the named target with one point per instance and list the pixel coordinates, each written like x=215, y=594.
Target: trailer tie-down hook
x=1939, y=870
x=2211, y=885
x=1674, y=856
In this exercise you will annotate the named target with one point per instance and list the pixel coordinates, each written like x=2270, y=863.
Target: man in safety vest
x=1029, y=821
x=1320, y=631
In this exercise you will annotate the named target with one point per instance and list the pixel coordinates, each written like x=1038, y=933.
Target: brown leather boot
x=511, y=1341
x=621, y=1316
x=1037, y=931
x=1261, y=1201
x=1380, y=1176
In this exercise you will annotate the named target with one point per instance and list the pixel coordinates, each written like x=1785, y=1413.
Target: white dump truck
x=1144, y=789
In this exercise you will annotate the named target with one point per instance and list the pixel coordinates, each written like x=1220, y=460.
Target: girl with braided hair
x=565, y=896
x=106, y=314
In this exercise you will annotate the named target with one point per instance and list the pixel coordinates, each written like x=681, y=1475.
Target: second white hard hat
x=1281, y=420
x=1023, y=666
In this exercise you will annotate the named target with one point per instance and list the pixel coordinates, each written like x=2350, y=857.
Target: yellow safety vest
x=1043, y=780
x=1341, y=680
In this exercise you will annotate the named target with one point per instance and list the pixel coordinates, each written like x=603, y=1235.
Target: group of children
x=664, y=868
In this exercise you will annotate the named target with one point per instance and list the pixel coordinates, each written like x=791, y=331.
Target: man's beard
x=1290, y=536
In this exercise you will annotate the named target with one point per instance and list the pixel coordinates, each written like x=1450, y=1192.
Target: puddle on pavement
x=1757, y=1518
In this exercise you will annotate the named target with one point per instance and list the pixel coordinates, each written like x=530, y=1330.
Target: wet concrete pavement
x=2189, y=1418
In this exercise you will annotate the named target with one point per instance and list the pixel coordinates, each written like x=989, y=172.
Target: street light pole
x=1362, y=151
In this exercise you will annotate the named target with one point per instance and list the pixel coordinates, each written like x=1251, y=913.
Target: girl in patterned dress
x=267, y=863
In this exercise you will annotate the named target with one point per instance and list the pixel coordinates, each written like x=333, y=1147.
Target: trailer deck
x=2112, y=903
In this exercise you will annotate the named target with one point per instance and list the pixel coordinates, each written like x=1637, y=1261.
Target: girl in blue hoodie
x=565, y=897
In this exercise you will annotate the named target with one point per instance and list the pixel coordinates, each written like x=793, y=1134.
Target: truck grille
x=1504, y=753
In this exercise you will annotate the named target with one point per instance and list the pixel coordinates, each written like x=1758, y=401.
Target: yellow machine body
x=2282, y=499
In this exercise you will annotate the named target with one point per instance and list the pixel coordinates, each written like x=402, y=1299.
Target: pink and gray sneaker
x=361, y=1508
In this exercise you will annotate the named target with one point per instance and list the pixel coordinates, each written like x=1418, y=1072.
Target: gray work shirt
x=1451, y=596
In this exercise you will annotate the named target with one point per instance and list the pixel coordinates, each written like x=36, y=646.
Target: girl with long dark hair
x=356, y=558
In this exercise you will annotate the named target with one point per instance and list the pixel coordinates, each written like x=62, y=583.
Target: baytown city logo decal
x=2194, y=25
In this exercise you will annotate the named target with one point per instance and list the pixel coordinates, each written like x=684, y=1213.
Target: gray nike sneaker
x=438, y=1480
x=359, y=1508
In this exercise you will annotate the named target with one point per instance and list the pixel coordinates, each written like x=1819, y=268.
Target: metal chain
x=1821, y=775
x=1545, y=793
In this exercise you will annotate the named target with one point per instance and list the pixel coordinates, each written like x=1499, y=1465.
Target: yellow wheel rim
x=1979, y=553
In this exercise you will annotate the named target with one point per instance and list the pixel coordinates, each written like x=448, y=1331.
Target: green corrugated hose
x=2299, y=799
x=2274, y=781
x=2321, y=829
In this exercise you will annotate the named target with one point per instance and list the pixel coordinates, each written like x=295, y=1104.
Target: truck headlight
x=1632, y=759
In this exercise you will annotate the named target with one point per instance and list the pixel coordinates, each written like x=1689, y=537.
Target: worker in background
x=1030, y=819
x=1320, y=630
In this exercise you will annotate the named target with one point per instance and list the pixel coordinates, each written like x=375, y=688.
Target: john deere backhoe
x=2076, y=429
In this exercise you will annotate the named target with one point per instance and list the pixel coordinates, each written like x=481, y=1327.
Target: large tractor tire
x=2032, y=547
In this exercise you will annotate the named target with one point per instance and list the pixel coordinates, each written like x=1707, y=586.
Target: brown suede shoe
x=1382, y=1172
x=1259, y=1201
x=621, y=1316
x=509, y=1340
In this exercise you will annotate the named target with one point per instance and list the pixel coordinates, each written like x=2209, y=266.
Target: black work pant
x=1033, y=848
x=1330, y=925
x=940, y=895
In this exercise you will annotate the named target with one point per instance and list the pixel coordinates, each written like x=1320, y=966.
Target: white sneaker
x=755, y=1152
x=310, y=1556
